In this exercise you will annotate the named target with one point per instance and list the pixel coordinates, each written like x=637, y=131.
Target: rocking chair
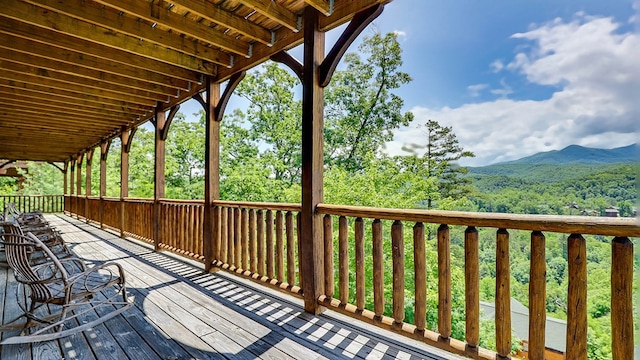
x=52, y=239
x=53, y=294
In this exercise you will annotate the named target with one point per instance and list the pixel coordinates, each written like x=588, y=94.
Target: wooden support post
x=78, y=184
x=125, y=137
x=211, y=225
x=311, y=242
x=160, y=121
x=104, y=151
x=87, y=184
x=71, y=186
x=65, y=185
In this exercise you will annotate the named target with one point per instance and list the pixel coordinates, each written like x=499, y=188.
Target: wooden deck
x=182, y=312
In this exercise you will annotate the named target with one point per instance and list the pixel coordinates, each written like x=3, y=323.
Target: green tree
x=361, y=110
x=441, y=152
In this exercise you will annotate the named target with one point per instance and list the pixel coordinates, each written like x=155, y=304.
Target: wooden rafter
x=275, y=12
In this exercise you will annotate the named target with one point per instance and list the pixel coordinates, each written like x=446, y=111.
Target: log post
x=87, y=186
x=577, y=298
x=621, y=298
x=65, y=184
x=211, y=225
x=537, y=296
x=78, y=184
x=311, y=242
x=104, y=151
x=72, y=185
x=125, y=138
x=160, y=121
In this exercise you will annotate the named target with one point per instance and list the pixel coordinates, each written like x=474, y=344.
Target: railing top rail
x=180, y=201
x=259, y=205
x=629, y=227
x=138, y=200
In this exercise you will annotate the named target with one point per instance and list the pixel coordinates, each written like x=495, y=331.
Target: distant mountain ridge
x=576, y=154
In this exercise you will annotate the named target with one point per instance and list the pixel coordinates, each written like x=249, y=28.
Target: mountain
x=575, y=154
x=572, y=162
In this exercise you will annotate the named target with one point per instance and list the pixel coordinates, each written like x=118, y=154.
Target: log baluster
x=378, y=269
x=224, y=233
x=576, y=298
x=244, y=215
x=327, y=223
x=231, y=234
x=472, y=286
x=360, y=275
x=503, y=294
x=260, y=242
x=397, y=256
x=253, y=259
x=420, y=274
x=279, y=246
x=343, y=259
x=621, y=298
x=291, y=254
x=537, y=296
x=237, y=240
x=444, y=282
x=269, y=220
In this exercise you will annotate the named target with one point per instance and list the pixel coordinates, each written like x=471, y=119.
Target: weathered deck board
x=183, y=312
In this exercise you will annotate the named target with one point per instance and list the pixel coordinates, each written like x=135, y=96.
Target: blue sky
x=517, y=77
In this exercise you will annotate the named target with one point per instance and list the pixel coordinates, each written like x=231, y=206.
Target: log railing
x=384, y=262
x=28, y=203
x=367, y=264
x=259, y=241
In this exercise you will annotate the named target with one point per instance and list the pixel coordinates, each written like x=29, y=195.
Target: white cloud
x=400, y=34
x=474, y=90
x=597, y=75
x=497, y=65
x=504, y=91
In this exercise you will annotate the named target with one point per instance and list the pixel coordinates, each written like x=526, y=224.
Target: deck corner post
x=72, y=166
x=211, y=225
x=312, y=257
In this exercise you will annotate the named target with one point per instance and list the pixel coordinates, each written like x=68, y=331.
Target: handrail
x=591, y=225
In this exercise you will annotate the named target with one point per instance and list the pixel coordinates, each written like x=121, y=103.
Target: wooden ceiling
x=74, y=73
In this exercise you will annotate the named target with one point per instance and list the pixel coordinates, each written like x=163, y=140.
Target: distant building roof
x=556, y=329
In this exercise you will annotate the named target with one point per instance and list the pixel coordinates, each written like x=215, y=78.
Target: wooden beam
x=32, y=103
x=323, y=6
x=56, y=84
x=222, y=103
x=311, y=241
x=23, y=88
x=285, y=58
x=226, y=19
x=80, y=19
x=287, y=39
x=46, y=110
x=160, y=15
x=359, y=22
x=274, y=11
x=30, y=63
x=117, y=61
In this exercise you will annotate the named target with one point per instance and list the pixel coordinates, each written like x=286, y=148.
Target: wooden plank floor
x=182, y=312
